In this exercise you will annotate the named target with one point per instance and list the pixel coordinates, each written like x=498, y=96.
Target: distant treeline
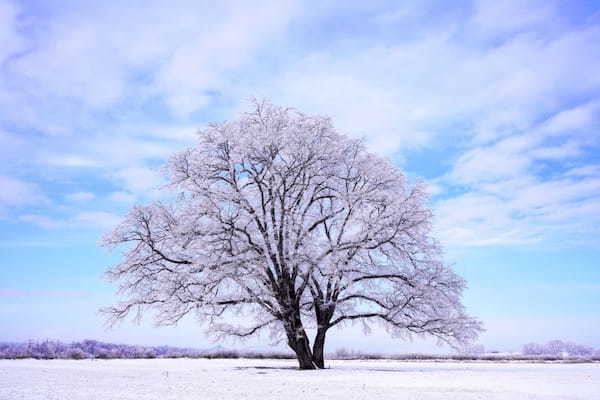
x=560, y=348
x=50, y=349
x=92, y=349
x=554, y=350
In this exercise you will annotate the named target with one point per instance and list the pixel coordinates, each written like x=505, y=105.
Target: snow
x=275, y=379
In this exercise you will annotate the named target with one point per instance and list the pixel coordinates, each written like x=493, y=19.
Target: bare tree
x=279, y=217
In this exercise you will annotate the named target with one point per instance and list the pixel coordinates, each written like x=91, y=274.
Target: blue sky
x=496, y=105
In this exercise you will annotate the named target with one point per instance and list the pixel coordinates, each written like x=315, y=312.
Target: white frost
x=183, y=379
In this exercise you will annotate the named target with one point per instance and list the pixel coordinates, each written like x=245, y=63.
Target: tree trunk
x=319, y=348
x=304, y=355
x=298, y=341
x=300, y=345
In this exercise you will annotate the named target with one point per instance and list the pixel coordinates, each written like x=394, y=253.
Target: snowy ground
x=277, y=379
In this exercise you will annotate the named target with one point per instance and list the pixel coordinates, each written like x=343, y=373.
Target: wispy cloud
x=8, y=293
x=509, y=92
x=81, y=220
x=15, y=192
x=80, y=197
x=514, y=196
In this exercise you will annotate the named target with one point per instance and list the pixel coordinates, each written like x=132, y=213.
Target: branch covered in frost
x=280, y=217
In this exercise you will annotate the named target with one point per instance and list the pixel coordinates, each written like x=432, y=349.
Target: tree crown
x=280, y=215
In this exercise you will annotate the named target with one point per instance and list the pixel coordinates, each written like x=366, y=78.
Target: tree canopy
x=281, y=219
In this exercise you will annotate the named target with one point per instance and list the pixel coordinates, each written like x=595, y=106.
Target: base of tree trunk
x=318, y=349
x=305, y=360
x=302, y=349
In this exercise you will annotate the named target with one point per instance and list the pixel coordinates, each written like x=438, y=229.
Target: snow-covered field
x=279, y=379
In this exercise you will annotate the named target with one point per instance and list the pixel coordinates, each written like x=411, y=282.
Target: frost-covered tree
x=533, y=349
x=558, y=348
x=279, y=222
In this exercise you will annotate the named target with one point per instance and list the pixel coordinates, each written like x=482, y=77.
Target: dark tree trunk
x=302, y=349
x=319, y=348
x=298, y=341
x=323, y=315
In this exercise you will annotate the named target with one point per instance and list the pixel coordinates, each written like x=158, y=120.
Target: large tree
x=276, y=221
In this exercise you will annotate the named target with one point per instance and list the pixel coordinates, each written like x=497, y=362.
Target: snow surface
x=276, y=379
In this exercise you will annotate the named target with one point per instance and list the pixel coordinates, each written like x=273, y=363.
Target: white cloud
x=483, y=86
x=81, y=220
x=403, y=95
x=128, y=146
x=183, y=133
x=15, y=192
x=508, y=200
x=480, y=220
x=434, y=188
x=139, y=180
x=130, y=54
x=127, y=150
x=554, y=192
x=122, y=197
x=510, y=157
x=201, y=64
x=485, y=164
x=573, y=120
x=42, y=221
x=588, y=170
x=100, y=219
x=68, y=160
x=497, y=18
x=80, y=197
x=568, y=149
